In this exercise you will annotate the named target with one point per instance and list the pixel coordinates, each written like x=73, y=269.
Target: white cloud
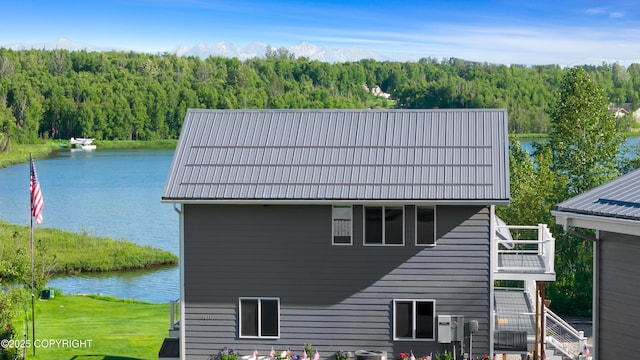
x=605, y=12
x=595, y=11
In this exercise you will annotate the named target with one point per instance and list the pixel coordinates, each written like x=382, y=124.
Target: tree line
x=59, y=94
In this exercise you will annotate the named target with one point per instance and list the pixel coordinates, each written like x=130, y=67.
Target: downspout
x=595, y=303
x=492, y=260
x=182, y=339
x=595, y=312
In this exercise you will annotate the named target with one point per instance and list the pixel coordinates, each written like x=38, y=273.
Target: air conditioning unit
x=450, y=328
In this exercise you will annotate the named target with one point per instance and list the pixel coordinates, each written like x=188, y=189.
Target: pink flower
x=585, y=351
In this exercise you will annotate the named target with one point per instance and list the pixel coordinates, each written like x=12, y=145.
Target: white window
x=384, y=225
x=259, y=317
x=425, y=225
x=342, y=225
x=414, y=319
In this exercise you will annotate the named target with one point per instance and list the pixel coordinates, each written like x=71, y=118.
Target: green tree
x=583, y=134
x=534, y=187
x=585, y=147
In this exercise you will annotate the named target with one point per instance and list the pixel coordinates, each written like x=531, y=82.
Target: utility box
x=450, y=328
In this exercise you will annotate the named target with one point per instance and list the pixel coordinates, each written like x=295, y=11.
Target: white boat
x=82, y=144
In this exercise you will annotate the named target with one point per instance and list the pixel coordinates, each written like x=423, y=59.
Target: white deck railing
x=174, y=318
x=562, y=336
x=559, y=334
x=530, y=249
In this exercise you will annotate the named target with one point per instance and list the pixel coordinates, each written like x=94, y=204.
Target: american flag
x=37, y=203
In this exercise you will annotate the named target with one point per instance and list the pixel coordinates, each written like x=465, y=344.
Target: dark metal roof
x=457, y=155
x=619, y=198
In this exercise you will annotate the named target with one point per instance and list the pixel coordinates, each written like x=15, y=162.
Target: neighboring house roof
x=620, y=110
x=616, y=202
x=324, y=155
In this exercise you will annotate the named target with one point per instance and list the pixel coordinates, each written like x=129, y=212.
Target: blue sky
x=505, y=32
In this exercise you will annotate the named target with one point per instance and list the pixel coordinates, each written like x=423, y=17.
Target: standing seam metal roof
x=341, y=155
x=618, y=198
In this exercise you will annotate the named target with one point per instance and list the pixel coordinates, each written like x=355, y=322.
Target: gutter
x=484, y=202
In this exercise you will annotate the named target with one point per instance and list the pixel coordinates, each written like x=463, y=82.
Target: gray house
x=613, y=211
x=345, y=229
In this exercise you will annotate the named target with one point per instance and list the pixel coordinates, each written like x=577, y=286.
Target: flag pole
x=33, y=281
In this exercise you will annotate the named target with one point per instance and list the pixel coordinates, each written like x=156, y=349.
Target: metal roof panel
x=342, y=155
x=618, y=198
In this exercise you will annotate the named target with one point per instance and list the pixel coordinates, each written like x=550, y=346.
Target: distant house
x=620, y=110
x=345, y=229
x=613, y=211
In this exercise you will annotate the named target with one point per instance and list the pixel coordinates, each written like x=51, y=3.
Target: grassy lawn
x=117, y=329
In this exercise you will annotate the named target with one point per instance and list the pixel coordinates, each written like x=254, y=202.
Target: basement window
x=414, y=319
x=259, y=318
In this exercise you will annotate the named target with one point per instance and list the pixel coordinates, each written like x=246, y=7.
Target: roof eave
x=483, y=202
x=568, y=219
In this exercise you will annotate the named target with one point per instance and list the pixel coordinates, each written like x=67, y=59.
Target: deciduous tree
x=583, y=136
x=585, y=145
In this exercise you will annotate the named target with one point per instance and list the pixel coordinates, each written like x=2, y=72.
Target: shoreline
x=69, y=253
x=19, y=154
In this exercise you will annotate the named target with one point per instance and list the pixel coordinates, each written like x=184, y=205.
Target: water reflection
x=158, y=285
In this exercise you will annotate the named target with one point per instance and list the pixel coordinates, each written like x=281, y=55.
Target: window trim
x=414, y=320
x=259, y=336
x=384, y=225
x=435, y=216
x=333, y=219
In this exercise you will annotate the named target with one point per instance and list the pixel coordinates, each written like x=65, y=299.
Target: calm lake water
x=630, y=149
x=105, y=193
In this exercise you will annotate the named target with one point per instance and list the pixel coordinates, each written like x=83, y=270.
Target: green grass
x=59, y=251
x=117, y=329
x=18, y=154
x=529, y=136
x=135, y=144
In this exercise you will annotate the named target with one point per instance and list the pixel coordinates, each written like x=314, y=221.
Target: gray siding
x=334, y=297
x=619, y=315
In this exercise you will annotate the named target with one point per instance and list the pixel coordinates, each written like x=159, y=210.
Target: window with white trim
x=342, y=225
x=259, y=317
x=414, y=319
x=425, y=225
x=384, y=225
